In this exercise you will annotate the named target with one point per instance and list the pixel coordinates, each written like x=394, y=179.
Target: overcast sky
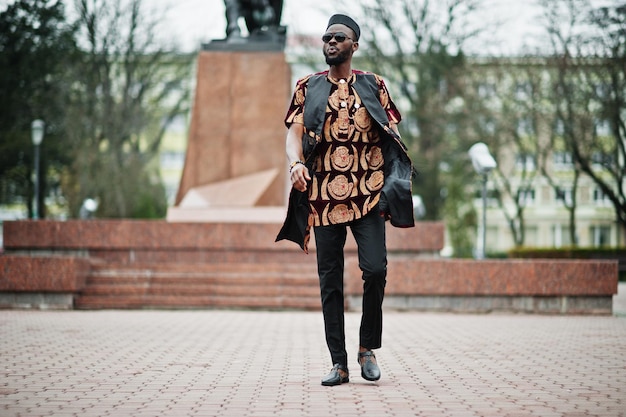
x=196, y=21
x=192, y=22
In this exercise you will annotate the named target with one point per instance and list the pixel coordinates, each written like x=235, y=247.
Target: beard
x=340, y=58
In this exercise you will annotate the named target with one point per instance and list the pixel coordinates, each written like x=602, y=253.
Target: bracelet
x=294, y=163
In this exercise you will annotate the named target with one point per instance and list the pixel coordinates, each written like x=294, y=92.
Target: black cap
x=346, y=21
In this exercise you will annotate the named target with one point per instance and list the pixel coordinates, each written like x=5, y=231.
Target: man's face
x=337, y=52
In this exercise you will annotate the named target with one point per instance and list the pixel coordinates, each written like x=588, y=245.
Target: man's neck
x=340, y=71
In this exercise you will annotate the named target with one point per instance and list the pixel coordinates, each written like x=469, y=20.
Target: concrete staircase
x=268, y=285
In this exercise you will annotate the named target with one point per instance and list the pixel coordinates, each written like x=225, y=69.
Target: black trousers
x=369, y=234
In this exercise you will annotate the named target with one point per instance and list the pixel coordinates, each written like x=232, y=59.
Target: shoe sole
x=369, y=379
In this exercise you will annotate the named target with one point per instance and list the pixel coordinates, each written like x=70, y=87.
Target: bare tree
x=590, y=56
x=501, y=96
x=128, y=89
x=517, y=127
x=537, y=141
x=555, y=160
x=417, y=46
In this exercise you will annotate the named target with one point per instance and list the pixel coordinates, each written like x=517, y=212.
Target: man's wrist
x=294, y=164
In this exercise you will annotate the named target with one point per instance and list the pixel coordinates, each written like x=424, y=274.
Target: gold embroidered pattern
x=375, y=181
x=299, y=97
x=340, y=188
x=338, y=101
x=314, y=189
x=374, y=158
x=341, y=159
x=342, y=129
x=347, y=173
x=341, y=214
x=362, y=120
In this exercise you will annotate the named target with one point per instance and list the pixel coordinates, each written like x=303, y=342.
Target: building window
x=493, y=196
x=600, y=198
x=562, y=161
x=525, y=162
x=565, y=196
x=561, y=236
x=600, y=236
x=525, y=127
x=526, y=197
x=602, y=159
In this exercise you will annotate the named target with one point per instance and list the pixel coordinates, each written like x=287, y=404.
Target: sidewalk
x=259, y=363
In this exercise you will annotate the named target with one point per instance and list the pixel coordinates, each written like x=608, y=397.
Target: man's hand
x=299, y=177
x=299, y=173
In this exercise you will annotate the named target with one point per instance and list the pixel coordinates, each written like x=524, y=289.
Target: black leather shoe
x=334, y=377
x=369, y=369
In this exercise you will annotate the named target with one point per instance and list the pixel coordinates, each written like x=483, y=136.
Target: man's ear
x=355, y=46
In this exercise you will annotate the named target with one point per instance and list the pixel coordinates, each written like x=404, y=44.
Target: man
x=348, y=168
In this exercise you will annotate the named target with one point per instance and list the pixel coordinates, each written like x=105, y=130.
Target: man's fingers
x=299, y=177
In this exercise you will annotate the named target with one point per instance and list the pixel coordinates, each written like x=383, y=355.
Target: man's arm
x=299, y=174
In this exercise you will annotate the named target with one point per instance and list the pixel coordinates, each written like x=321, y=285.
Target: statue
x=261, y=17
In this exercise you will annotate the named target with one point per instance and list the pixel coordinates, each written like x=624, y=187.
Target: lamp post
x=483, y=163
x=37, y=128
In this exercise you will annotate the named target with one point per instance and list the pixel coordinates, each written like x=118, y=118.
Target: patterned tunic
x=348, y=169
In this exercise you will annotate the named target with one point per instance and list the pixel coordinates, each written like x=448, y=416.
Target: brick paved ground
x=242, y=363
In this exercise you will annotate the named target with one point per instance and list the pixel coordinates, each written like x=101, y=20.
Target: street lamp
x=483, y=163
x=37, y=128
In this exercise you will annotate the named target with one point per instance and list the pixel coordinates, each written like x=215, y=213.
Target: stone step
x=87, y=302
x=190, y=267
x=260, y=289
x=200, y=285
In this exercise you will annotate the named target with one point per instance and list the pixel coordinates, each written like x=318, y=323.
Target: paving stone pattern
x=261, y=363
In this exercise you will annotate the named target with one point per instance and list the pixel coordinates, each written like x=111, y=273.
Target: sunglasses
x=339, y=37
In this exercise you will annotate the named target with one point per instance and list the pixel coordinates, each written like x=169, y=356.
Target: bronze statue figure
x=259, y=15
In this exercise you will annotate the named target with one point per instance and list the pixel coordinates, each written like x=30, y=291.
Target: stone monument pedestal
x=236, y=147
